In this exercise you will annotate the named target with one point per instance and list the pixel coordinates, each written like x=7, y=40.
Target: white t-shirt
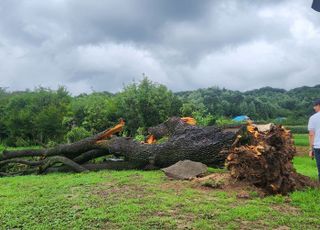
x=314, y=125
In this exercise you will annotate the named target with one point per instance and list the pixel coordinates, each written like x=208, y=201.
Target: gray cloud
x=184, y=44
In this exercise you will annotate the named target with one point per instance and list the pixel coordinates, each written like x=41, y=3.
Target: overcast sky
x=101, y=45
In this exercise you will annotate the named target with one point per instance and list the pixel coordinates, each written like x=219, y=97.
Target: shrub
x=203, y=119
x=226, y=121
x=297, y=129
x=76, y=134
x=20, y=142
x=139, y=137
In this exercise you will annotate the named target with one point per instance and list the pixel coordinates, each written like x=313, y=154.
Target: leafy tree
x=146, y=104
x=48, y=116
x=35, y=116
x=77, y=134
x=94, y=112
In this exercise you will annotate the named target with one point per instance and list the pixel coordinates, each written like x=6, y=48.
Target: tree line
x=46, y=116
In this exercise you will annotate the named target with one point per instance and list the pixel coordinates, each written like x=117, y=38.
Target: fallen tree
x=185, y=141
x=260, y=155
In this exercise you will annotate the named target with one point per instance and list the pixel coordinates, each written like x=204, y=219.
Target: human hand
x=311, y=154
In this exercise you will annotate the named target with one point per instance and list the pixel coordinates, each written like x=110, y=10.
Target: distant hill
x=262, y=104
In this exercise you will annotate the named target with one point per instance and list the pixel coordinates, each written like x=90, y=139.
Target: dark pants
x=316, y=5
x=317, y=156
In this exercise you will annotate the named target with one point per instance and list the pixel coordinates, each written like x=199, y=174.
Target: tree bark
x=202, y=144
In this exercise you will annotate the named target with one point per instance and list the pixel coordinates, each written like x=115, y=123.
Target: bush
x=139, y=137
x=295, y=121
x=20, y=142
x=76, y=134
x=203, y=119
x=140, y=134
x=222, y=121
x=2, y=147
x=51, y=144
x=301, y=129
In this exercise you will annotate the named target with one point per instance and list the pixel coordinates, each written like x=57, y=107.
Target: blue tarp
x=241, y=118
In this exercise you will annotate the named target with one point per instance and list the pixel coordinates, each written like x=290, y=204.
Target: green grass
x=306, y=166
x=147, y=200
x=301, y=139
x=2, y=147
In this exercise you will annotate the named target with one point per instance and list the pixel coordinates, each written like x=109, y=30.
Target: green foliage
x=203, y=119
x=261, y=104
x=198, y=111
x=146, y=104
x=94, y=112
x=76, y=134
x=33, y=116
x=222, y=121
x=301, y=129
x=44, y=115
x=139, y=137
x=51, y=144
x=21, y=142
x=3, y=147
x=293, y=120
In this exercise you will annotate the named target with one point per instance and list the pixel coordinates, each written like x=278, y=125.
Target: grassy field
x=148, y=200
x=301, y=139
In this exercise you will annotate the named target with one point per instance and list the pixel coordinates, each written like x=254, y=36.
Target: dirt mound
x=225, y=182
x=242, y=188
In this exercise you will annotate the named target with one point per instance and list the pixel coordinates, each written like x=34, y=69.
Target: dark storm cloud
x=184, y=44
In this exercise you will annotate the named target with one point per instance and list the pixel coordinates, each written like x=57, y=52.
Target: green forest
x=46, y=116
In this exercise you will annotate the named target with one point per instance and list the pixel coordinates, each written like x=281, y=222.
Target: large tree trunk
x=193, y=143
x=203, y=144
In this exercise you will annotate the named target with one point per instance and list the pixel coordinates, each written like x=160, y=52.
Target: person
x=314, y=135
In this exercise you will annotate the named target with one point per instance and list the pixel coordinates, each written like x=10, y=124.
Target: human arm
x=311, y=141
x=311, y=128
